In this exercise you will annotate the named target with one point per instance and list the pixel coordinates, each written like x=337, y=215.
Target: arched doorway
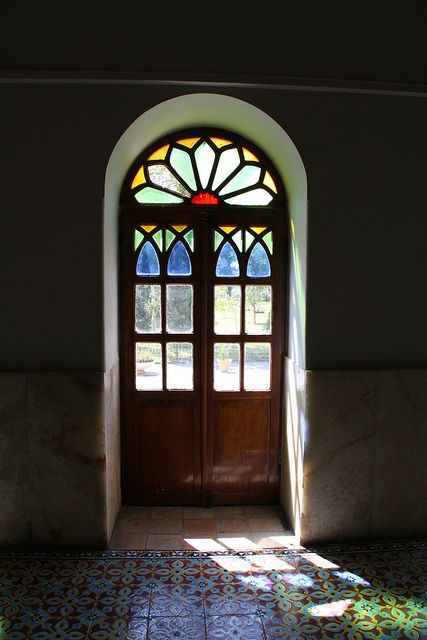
x=203, y=321
x=247, y=120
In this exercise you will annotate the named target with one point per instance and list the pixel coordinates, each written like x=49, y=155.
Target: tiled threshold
x=202, y=529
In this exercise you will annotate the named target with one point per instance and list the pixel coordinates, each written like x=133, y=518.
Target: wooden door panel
x=164, y=455
x=241, y=446
x=206, y=441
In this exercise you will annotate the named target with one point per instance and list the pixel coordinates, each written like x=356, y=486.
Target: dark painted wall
x=374, y=41
x=365, y=159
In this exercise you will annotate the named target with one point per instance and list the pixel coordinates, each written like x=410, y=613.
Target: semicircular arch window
x=209, y=168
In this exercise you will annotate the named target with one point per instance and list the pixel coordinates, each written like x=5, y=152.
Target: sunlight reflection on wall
x=294, y=400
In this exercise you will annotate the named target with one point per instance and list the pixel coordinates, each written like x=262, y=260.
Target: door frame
x=130, y=215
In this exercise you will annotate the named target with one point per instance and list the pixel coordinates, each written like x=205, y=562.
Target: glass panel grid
x=257, y=366
x=148, y=315
x=226, y=366
x=179, y=308
x=227, y=304
x=179, y=367
x=148, y=366
x=258, y=309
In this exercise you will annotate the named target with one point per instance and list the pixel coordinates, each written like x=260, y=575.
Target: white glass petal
x=205, y=157
x=148, y=195
x=228, y=161
x=253, y=197
x=246, y=177
x=163, y=177
x=181, y=162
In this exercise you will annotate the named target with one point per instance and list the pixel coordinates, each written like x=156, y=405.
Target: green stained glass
x=204, y=169
x=163, y=177
x=246, y=177
x=268, y=239
x=252, y=197
x=190, y=239
x=238, y=239
x=137, y=239
x=181, y=162
x=229, y=161
x=170, y=237
x=158, y=237
x=217, y=239
x=205, y=157
x=148, y=195
x=249, y=238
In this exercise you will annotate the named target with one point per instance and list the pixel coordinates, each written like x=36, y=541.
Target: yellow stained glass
x=269, y=182
x=227, y=229
x=248, y=155
x=258, y=230
x=179, y=227
x=139, y=178
x=188, y=142
x=148, y=227
x=220, y=142
x=160, y=154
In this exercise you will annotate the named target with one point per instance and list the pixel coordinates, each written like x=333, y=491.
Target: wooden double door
x=202, y=354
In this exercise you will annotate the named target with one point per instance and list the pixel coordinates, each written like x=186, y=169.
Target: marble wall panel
x=52, y=459
x=400, y=488
x=292, y=451
x=112, y=444
x=364, y=468
x=66, y=439
x=15, y=472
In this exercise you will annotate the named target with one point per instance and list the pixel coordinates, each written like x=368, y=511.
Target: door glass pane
x=148, y=366
x=179, y=308
x=258, y=263
x=227, y=265
x=179, y=369
x=226, y=366
x=148, y=262
x=227, y=309
x=179, y=261
x=258, y=309
x=148, y=308
x=256, y=372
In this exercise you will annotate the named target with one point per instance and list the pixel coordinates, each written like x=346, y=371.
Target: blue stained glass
x=179, y=261
x=227, y=265
x=258, y=263
x=148, y=262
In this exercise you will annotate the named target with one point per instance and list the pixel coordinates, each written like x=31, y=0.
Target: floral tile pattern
x=360, y=592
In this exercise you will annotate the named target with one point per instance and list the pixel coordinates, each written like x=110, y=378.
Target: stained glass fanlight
x=205, y=169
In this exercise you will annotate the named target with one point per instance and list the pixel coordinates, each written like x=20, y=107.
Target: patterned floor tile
x=177, y=627
x=176, y=600
x=356, y=592
x=226, y=599
x=234, y=627
x=125, y=601
x=111, y=628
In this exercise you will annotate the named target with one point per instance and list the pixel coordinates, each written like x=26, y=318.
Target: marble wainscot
x=365, y=470
x=52, y=459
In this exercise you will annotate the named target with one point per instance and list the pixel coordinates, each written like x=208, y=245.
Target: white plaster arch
x=217, y=110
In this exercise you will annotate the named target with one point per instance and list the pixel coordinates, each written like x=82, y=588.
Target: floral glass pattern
x=204, y=169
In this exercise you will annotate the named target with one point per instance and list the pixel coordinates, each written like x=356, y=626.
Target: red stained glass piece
x=204, y=198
